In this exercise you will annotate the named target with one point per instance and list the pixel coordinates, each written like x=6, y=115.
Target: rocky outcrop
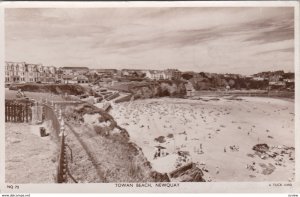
x=262, y=148
x=159, y=177
x=188, y=173
x=159, y=89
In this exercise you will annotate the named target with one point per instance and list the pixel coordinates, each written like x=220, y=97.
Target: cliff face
x=160, y=89
x=107, y=148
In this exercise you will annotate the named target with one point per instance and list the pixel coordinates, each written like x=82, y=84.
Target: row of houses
x=18, y=72
x=171, y=74
x=275, y=78
x=138, y=73
x=22, y=72
x=73, y=75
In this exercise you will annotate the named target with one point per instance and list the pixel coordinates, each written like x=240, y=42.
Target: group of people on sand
x=160, y=152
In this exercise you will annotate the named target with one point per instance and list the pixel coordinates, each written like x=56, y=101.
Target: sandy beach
x=218, y=134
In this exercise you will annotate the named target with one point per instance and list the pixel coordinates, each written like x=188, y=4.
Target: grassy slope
x=73, y=89
x=104, y=158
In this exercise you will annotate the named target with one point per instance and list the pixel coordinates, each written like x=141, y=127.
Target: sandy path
x=29, y=158
x=217, y=125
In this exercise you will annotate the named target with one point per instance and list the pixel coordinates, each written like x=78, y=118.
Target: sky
x=209, y=39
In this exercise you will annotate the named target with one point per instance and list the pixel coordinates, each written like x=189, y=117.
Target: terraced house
x=21, y=72
x=14, y=72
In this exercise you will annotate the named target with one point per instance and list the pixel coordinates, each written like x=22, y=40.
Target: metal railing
x=54, y=113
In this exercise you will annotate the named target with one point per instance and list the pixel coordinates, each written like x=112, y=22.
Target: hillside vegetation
x=103, y=149
x=73, y=89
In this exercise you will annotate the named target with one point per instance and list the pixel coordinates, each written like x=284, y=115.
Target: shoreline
x=159, y=126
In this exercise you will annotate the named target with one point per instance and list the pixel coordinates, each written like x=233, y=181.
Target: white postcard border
x=207, y=187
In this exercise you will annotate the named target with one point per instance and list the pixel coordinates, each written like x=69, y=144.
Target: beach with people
x=219, y=134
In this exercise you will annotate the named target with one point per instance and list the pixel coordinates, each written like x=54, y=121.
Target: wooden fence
x=17, y=111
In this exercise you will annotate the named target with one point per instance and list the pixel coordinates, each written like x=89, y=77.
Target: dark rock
x=160, y=139
x=262, y=148
x=159, y=177
x=170, y=135
x=188, y=173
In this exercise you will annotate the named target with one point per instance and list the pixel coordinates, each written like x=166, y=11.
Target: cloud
x=284, y=50
x=198, y=38
x=274, y=31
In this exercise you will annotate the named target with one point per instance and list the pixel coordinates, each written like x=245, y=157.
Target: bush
x=135, y=170
x=72, y=89
x=102, y=131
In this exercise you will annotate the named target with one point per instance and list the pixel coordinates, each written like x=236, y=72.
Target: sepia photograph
x=150, y=96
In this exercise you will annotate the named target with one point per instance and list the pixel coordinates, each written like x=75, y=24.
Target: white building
x=21, y=72
x=155, y=74
x=15, y=72
x=80, y=79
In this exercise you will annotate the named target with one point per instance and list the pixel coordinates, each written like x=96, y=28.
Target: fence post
x=34, y=113
x=18, y=112
x=9, y=111
x=22, y=113
x=59, y=114
x=27, y=112
x=6, y=111
x=62, y=127
x=12, y=112
x=15, y=112
x=55, y=109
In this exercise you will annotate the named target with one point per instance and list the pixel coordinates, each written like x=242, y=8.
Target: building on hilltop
x=259, y=78
x=68, y=74
x=67, y=79
x=74, y=70
x=106, y=73
x=155, y=74
x=48, y=74
x=80, y=79
x=172, y=74
x=140, y=73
